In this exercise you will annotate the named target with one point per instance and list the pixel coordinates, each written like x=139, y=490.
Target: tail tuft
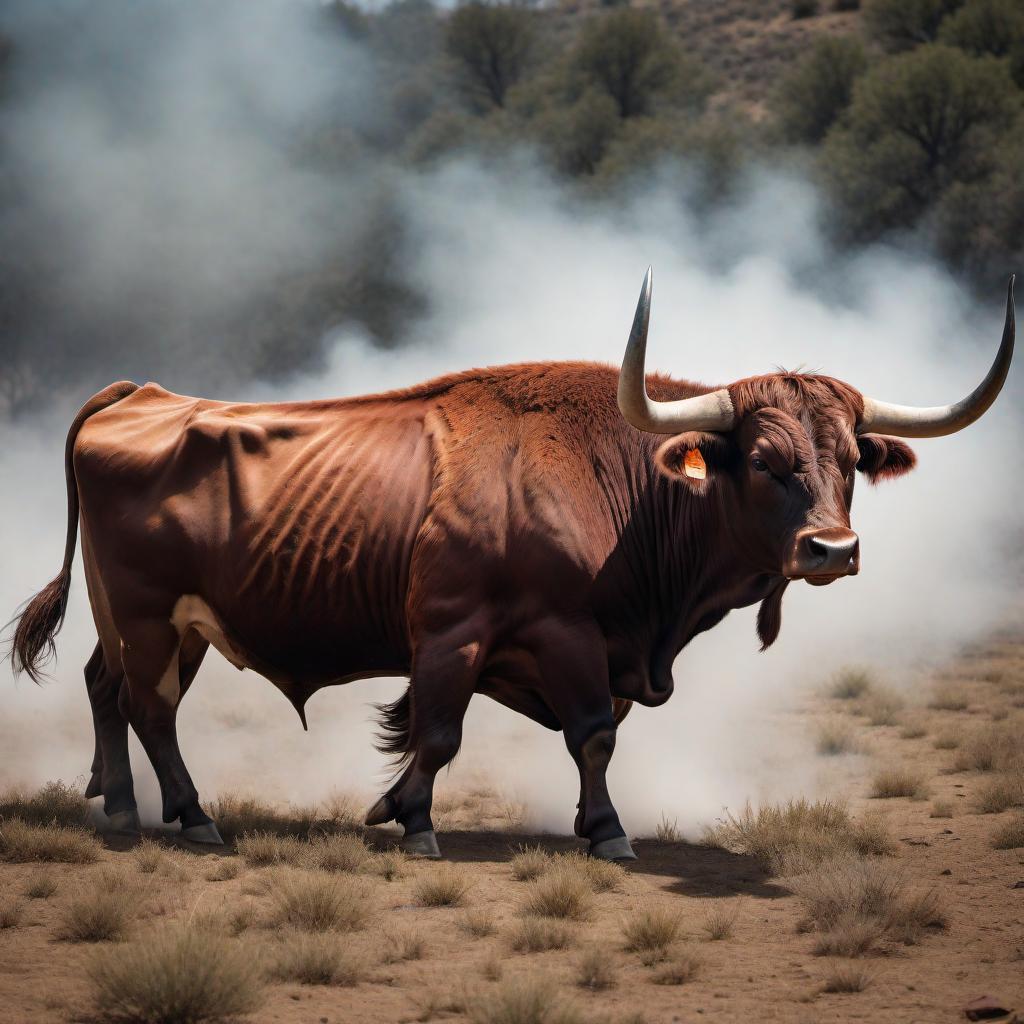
x=396, y=727
x=39, y=622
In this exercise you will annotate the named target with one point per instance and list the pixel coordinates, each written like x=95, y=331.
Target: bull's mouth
x=823, y=579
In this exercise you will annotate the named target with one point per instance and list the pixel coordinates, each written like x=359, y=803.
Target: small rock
x=985, y=1008
x=946, y=872
x=947, y=831
x=1018, y=885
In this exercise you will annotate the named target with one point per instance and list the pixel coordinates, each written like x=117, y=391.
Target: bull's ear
x=883, y=457
x=694, y=458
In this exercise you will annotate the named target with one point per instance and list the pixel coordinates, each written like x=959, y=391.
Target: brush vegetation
x=651, y=927
x=22, y=842
x=898, y=782
x=539, y=934
x=54, y=804
x=99, y=913
x=444, y=886
x=315, y=902
x=316, y=960
x=561, y=892
x=1010, y=835
x=851, y=683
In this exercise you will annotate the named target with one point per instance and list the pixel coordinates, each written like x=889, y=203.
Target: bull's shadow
x=689, y=870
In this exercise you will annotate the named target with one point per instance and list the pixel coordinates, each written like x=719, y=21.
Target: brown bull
x=521, y=532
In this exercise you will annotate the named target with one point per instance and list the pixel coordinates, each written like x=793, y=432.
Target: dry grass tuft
x=538, y=935
x=941, y=809
x=600, y=875
x=946, y=740
x=11, y=914
x=389, y=865
x=719, y=923
x=898, y=782
x=950, y=698
x=667, y=831
x=562, y=892
x=400, y=946
x=53, y=804
x=784, y=838
x=913, y=731
x=851, y=683
x=21, y=842
x=996, y=747
x=846, y=978
x=477, y=923
x=651, y=928
x=226, y=869
x=432, y=1003
x=178, y=975
x=836, y=737
x=40, y=886
x=1001, y=792
x=319, y=903
x=260, y=849
x=444, y=886
x=521, y=1000
x=343, y=811
x=237, y=815
x=230, y=920
x=596, y=970
x=316, y=960
x=881, y=707
x=1009, y=835
x=338, y=853
x=100, y=913
x=492, y=969
x=148, y=856
x=681, y=968
x=529, y=863
x=853, y=901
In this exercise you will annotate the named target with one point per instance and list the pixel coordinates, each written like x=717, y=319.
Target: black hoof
x=613, y=849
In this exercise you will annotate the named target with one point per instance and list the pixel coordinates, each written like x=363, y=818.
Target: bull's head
x=786, y=448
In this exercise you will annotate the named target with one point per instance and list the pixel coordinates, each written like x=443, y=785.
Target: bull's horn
x=705, y=412
x=911, y=421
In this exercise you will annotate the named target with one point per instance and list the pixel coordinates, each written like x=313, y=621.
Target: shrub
x=804, y=9
x=54, y=804
x=177, y=975
x=399, y=946
x=11, y=913
x=992, y=27
x=628, y=55
x=941, y=809
x=445, y=886
x=338, y=853
x=559, y=893
x=389, y=865
x=903, y=24
x=596, y=971
x=651, y=928
x=681, y=968
x=225, y=870
x=948, y=740
x=319, y=903
x=236, y=815
x=996, y=747
x=521, y=1000
x=21, y=842
x=849, y=936
x=835, y=738
x=600, y=875
x=148, y=856
x=667, y=831
x=913, y=732
x=1001, y=793
x=917, y=124
x=489, y=45
x=316, y=960
x=881, y=707
x=538, y=935
x=949, y=698
x=789, y=837
x=1009, y=835
x=897, y=782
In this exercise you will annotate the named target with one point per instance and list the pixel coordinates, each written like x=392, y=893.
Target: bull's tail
x=40, y=619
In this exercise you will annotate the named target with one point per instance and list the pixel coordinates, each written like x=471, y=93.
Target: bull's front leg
x=574, y=666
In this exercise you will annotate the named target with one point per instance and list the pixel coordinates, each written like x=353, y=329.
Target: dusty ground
x=765, y=971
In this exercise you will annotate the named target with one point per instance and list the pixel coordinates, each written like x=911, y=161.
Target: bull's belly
x=286, y=649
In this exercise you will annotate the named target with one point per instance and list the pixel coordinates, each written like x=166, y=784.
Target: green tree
x=628, y=55
x=995, y=27
x=818, y=88
x=918, y=123
x=490, y=46
x=903, y=24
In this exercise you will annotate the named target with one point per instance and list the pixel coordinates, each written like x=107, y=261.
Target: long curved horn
x=713, y=411
x=911, y=421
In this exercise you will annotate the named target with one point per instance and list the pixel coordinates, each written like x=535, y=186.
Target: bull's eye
x=759, y=464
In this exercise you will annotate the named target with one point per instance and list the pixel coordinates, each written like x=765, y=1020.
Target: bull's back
x=295, y=522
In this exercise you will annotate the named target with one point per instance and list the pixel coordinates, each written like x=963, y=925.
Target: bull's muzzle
x=821, y=556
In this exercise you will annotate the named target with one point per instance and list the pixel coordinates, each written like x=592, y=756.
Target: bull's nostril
x=830, y=551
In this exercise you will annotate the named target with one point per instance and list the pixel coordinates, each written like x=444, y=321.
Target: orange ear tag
x=693, y=465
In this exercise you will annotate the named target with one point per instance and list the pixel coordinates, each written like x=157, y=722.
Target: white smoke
x=515, y=269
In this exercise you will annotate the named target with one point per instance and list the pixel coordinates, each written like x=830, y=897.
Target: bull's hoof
x=381, y=812
x=206, y=833
x=613, y=849
x=125, y=821
x=422, y=844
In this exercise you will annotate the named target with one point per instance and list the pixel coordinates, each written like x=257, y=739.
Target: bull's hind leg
x=152, y=654
x=427, y=723
x=111, y=767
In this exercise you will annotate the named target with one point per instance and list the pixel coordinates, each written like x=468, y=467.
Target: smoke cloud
x=513, y=267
